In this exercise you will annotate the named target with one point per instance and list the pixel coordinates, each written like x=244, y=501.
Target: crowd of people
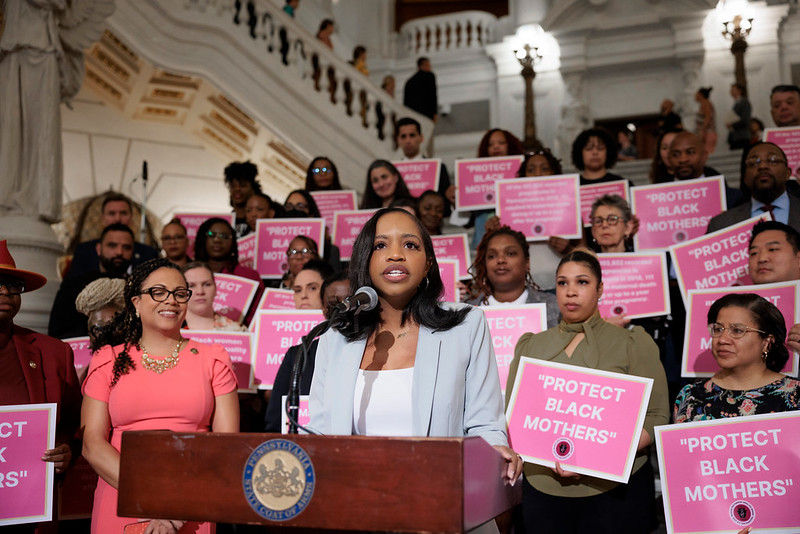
x=413, y=366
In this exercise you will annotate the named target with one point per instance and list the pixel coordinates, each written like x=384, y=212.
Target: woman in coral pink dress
x=155, y=380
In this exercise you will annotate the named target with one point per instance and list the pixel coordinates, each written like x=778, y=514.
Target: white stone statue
x=41, y=65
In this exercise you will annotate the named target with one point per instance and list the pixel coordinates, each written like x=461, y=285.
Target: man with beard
x=765, y=179
x=240, y=178
x=115, y=251
x=688, y=157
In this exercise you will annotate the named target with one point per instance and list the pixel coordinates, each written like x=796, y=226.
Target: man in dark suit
x=419, y=92
x=765, y=179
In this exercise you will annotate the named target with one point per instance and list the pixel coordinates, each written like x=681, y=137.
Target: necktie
x=769, y=208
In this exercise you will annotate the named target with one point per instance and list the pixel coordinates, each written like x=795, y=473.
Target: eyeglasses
x=300, y=206
x=303, y=251
x=219, y=235
x=12, y=286
x=612, y=220
x=160, y=294
x=736, y=331
x=317, y=170
x=772, y=160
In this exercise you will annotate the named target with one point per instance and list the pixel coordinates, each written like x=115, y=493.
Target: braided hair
x=127, y=326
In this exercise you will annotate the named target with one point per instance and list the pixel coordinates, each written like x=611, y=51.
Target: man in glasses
x=115, y=252
x=765, y=180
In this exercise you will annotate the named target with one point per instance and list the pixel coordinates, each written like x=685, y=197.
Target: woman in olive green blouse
x=563, y=502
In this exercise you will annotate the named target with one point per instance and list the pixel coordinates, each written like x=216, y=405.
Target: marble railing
x=447, y=33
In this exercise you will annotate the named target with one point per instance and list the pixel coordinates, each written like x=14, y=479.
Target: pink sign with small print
x=448, y=270
x=275, y=332
x=789, y=140
x=26, y=482
x=586, y=419
x=718, y=259
x=272, y=241
x=675, y=212
x=697, y=359
x=240, y=348
x=634, y=285
x=728, y=474
x=276, y=299
x=247, y=250
x=590, y=193
x=192, y=222
x=81, y=351
x=420, y=175
x=346, y=227
x=303, y=417
x=507, y=323
x=475, y=180
x=541, y=207
x=234, y=295
x=453, y=247
x=329, y=202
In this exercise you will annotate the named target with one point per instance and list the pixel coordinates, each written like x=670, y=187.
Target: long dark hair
x=766, y=316
x=126, y=327
x=423, y=307
x=313, y=209
x=480, y=278
x=311, y=183
x=370, y=199
x=515, y=147
x=200, y=252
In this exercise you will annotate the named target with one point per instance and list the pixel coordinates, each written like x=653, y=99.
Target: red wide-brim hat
x=8, y=267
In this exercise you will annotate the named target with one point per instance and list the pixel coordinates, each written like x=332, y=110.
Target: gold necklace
x=159, y=366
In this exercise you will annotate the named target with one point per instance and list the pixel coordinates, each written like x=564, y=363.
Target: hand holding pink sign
x=26, y=482
x=234, y=295
x=420, y=175
x=475, y=180
x=329, y=202
x=726, y=474
x=275, y=332
x=272, y=241
x=507, y=323
x=634, y=285
x=541, y=207
x=239, y=346
x=588, y=420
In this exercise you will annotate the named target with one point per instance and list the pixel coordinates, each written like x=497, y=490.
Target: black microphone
x=365, y=299
x=144, y=170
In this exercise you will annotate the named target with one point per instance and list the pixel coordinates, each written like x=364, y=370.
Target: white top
x=522, y=299
x=382, y=403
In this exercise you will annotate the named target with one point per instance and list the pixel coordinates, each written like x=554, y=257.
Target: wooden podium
x=361, y=483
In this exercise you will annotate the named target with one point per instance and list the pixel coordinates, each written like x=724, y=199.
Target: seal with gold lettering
x=278, y=480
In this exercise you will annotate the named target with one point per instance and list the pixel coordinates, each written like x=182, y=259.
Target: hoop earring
x=764, y=355
x=528, y=279
x=427, y=283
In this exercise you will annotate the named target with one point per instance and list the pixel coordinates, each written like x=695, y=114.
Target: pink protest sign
x=727, y=474
x=717, y=259
x=303, y=416
x=26, y=482
x=419, y=175
x=789, y=141
x=275, y=332
x=192, y=222
x=329, y=202
x=276, y=299
x=590, y=193
x=586, y=419
x=506, y=324
x=234, y=295
x=240, y=348
x=634, y=285
x=346, y=227
x=697, y=359
x=675, y=212
x=247, y=250
x=272, y=241
x=448, y=269
x=475, y=180
x=453, y=247
x=81, y=351
x=541, y=207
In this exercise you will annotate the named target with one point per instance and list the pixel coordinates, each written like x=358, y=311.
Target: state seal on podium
x=278, y=480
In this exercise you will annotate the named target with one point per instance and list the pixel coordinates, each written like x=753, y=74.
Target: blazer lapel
x=30, y=359
x=343, y=383
x=426, y=366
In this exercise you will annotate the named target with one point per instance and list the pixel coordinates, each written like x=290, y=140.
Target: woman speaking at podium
x=411, y=366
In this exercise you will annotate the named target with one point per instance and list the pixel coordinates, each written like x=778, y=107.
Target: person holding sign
x=747, y=342
x=200, y=314
x=215, y=245
x=612, y=224
x=430, y=210
x=409, y=367
x=302, y=249
x=155, y=380
x=259, y=206
x=501, y=273
x=322, y=175
x=384, y=185
x=559, y=501
x=594, y=151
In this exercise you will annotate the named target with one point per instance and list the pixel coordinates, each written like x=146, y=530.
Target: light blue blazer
x=455, y=390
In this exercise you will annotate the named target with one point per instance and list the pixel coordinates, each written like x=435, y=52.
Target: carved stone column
x=574, y=113
x=690, y=73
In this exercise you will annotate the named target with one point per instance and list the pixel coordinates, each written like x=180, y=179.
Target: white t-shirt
x=522, y=299
x=382, y=403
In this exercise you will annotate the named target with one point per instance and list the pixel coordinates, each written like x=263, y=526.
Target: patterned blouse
x=706, y=400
